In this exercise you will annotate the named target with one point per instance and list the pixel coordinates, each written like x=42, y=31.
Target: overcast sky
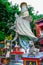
x=37, y=4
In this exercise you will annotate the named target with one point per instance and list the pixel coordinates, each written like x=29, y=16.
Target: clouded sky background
x=37, y=4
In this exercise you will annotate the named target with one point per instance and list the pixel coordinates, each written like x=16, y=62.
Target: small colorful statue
x=7, y=47
x=32, y=50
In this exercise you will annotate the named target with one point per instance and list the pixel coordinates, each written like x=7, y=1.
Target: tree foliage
x=2, y=35
x=7, y=16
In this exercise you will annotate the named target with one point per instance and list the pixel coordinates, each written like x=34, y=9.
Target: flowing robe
x=23, y=28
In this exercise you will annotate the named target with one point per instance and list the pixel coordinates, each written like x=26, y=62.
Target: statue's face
x=24, y=8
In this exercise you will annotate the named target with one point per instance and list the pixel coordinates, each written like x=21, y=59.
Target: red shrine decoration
x=17, y=53
x=31, y=61
x=39, y=31
x=39, y=27
x=16, y=50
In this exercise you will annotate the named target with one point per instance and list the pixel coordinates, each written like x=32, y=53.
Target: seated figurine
x=32, y=50
x=7, y=47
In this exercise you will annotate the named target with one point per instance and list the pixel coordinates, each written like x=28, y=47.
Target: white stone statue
x=22, y=25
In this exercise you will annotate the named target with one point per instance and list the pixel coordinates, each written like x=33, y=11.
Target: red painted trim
x=33, y=59
x=16, y=52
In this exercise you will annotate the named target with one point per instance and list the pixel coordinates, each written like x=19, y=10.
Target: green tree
x=2, y=36
x=7, y=16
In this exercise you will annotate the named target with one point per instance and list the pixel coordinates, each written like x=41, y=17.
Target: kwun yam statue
x=22, y=25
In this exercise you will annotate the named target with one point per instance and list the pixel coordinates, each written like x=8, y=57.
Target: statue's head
x=24, y=9
x=23, y=4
